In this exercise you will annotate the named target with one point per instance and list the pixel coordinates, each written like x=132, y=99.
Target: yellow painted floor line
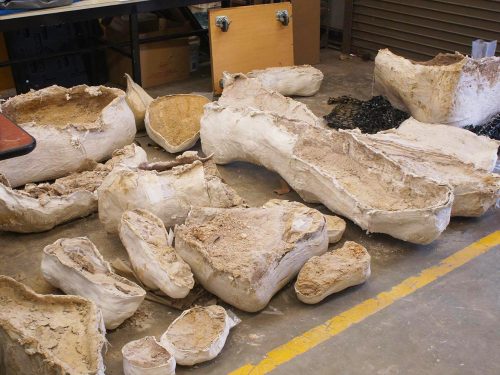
x=363, y=310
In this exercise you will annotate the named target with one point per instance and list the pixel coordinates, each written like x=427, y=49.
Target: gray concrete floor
x=448, y=327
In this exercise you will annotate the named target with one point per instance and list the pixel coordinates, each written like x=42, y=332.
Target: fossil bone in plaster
x=147, y=356
x=198, y=334
x=450, y=89
x=462, y=144
x=474, y=190
x=154, y=261
x=72, y=127
x=246, y=255
x=40, y=207
x=241, y=91
x=48, y=334
x=173, y=121
x=168, y=194
x=332, y=272
x=331, y=167
x=298, y=80
x=75, y=266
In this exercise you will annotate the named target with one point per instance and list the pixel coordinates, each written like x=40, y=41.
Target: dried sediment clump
x=331, y=167
x=335, y=227
x=198, y=334
x=72, y=127
x=75, y=266
x=173, y=121
x=48, y=334
x=246, y=255
x=40, y=207
x=463, y=145
x=368, y=116
x=138, y=100
x=154, y=261
x=299, y=80
x=332, y=272
x=168, y=194
x=241, y=91
x=474, y=190
x=147, y=357
x=450, y=89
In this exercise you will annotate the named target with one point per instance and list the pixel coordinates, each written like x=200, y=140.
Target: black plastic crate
x=67, y=70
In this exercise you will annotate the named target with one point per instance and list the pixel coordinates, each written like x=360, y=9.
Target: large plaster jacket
x=40, y=207
x=168, y=194
x=450, y=89
x=333, y=168
x=72, y=127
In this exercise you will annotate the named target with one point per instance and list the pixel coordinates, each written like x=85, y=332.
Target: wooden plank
x=255, y=40
x=306, y=31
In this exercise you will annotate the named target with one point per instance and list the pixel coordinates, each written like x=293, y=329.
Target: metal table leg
x=134, y=48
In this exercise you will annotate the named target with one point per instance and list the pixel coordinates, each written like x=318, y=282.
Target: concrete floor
x=448, y=327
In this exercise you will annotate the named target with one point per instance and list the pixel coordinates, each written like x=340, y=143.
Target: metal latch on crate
x=283, y=17
x=222, y=22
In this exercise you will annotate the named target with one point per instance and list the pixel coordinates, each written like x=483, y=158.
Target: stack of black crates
x=88, y=66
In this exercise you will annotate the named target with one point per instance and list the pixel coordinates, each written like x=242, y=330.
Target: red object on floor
x=14, y=141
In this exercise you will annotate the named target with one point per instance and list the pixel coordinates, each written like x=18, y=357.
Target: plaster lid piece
x=335, y=227
x=462, y=144
x=242, y=92
x=450, y=89
x=168, y=194
x=173, y=121
x=138, y=100
x=72, y=127
x=48, y=334
x=75, y=266
x=474, y=190
x=245, y=255
x=147, y=357
x=154, y=261
x=331, y=167
x=299, y=80
x=40, y=207
x=332, y=272
x=198, y=334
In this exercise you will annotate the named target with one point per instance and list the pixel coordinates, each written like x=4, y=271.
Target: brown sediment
x=146, y=353
x=176, y=118
x=63, y=329
x=355, y=168
x=79, y=107
x=322, y=272
x=234, y=241
x=198, y=328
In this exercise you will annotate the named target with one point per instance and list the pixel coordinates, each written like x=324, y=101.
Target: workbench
x=94, y=9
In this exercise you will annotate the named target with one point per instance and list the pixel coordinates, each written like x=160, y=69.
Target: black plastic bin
x=67, y=70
